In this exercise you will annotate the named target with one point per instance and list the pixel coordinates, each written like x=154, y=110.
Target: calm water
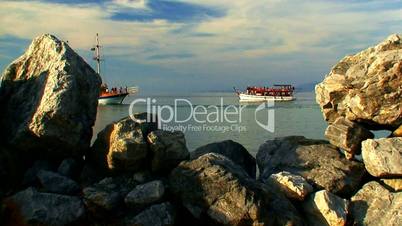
x=299, y=117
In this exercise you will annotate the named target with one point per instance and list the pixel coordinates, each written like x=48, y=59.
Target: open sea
x=299, y=117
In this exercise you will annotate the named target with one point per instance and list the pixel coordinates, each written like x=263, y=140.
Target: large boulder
x=366, y=87
x=347, y=135
x=383, y=157
x=374, y=205
x=49, y=97
x=218, y=191
x=319, y=162
x=168, y=149
x=122, y=145
x=30, y=207
x=325, y=208
x=232, y=150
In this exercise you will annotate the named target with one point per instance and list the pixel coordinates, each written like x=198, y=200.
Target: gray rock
x=157, y=215
x=30, y=176
x=30, y=207
x=293, y=186
x=145, y=194
x=56, y=183
x=121, y=146
x=347, y=135
x=142, y=177
x=319, y=162
x=107, y=194
x=374, y=205
x=11, y=169
x=232, y=150
x=49, y=97
x=168, y=149
x=325, y=208
x=366, y=87
x=383, y=157
x=215, y=189
x=68, y=167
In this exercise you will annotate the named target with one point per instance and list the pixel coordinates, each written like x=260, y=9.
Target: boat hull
x=113, y=99
x=255, y=98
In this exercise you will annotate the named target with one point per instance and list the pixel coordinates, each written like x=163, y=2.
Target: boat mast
x=97, y=57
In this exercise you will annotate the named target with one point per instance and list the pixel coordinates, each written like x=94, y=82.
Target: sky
x=186, y=46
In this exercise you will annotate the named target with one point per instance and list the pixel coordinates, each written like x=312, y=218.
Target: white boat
x=261, y=94
x=114, y=95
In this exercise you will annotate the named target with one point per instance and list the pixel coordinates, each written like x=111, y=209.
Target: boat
x=108, y=95
x=279, y=92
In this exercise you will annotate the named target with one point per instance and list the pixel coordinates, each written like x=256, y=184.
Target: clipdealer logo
x=204, y=118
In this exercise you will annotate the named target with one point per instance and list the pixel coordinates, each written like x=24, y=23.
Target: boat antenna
x=97, y=56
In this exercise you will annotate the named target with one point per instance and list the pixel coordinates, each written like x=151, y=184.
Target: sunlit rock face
x=366, y=87
x=49, y=98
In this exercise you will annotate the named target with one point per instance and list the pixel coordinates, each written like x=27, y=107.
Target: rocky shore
x=135, y=174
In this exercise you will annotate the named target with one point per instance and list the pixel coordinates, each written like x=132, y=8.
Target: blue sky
x=202, y=45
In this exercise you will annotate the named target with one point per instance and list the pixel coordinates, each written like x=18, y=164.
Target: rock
x=397, y=132
x=30, y=176
x=69, y=168
x=325, y=208
x=157, y=215
x=30, y=207
x=56, y=183
x=347, y=135
x=106, y=195
x=232, y=150
x=90, y=174
x=366, y=87
x=10, y=171
x=383, y=157
x=49, y=97
x=142, y=177
x=121, y=146
x=374, y=205
x=218, y=191
x=293, y=186
x=145, y=194
x=394, y=184
x=320, y=163
x=168, y=149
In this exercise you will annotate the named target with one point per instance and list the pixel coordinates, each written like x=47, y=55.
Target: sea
x=208, y=117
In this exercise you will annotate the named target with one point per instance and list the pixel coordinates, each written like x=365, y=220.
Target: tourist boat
x=108, y=95
x=280, y=92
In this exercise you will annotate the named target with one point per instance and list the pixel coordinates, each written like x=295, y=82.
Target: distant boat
x=114, y=95
x=280, y=92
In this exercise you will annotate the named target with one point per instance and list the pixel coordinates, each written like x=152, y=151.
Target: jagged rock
x=325, y=208
x=168, y=149
x=49, y=97
x=319, y=162
x=145, y=194
x=30, y=207
x=232, y=150
x=157, y=215
x=347, y=135
x=107, y=194
x=397, y=132
x=56, y=183
x=122, y=145
x=293, y=186
x=394, y=184
x=374, y=205
x=216, y=190
x=366, y=87
x=69, y=167
x=383, y=157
